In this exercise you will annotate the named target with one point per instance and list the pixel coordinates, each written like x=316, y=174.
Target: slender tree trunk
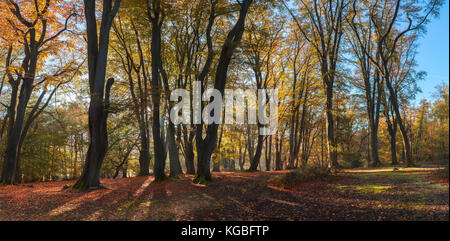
x=123, y=162
x=392, y=129
x=250, y=145
x=278, y=150
x=393, y=150
x=268, y=153
x=401, y=124
x=216, y=165
x=255, y=161
x=160, y=163
x=332, y=145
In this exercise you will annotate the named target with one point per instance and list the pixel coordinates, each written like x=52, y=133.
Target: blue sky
x=433, y=54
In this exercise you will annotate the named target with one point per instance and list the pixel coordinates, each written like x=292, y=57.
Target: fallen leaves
x=360, y=195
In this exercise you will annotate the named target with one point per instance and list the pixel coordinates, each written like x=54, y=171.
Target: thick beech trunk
x=189, y=158
x=99, y=94
x=174, y=161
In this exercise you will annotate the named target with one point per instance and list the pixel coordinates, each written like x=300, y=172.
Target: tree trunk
x=216, y=165
x=160, y=162
x=175, y=166
x=255, y=161
x=206, y=146
x=332, y=145
x=144, y=154
x=403, y=130
x=393, y=151
x=99, y=94
x=268, y=153
x=278, y=150
x=203, y=164
x=90, y=178
x=374, y=146
x=392, y=129
x=189, y=158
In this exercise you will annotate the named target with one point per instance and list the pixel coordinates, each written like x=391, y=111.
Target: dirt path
x=382, y=194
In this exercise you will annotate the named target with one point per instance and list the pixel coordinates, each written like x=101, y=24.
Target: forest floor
x=358, y=194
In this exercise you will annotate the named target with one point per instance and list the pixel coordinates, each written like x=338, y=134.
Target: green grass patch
x=365, y=188
x=127, y=206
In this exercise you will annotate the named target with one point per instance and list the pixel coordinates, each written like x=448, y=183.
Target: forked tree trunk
x=205, y=147
x=403, y=130
x=19, y=121
x=392, y=130
x=99, y=103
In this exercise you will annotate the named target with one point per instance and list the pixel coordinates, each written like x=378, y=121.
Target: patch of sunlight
x=95, y=216
x=390, y=169
x=143, y=187
x=373, y=188
x=75, y=203
x=127, y=206
x=145, y=204
x=283, y=202
x=366, y=188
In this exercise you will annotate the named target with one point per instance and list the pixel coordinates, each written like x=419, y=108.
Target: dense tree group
x=85, y=86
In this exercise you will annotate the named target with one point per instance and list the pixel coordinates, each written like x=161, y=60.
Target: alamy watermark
x=237, y=103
